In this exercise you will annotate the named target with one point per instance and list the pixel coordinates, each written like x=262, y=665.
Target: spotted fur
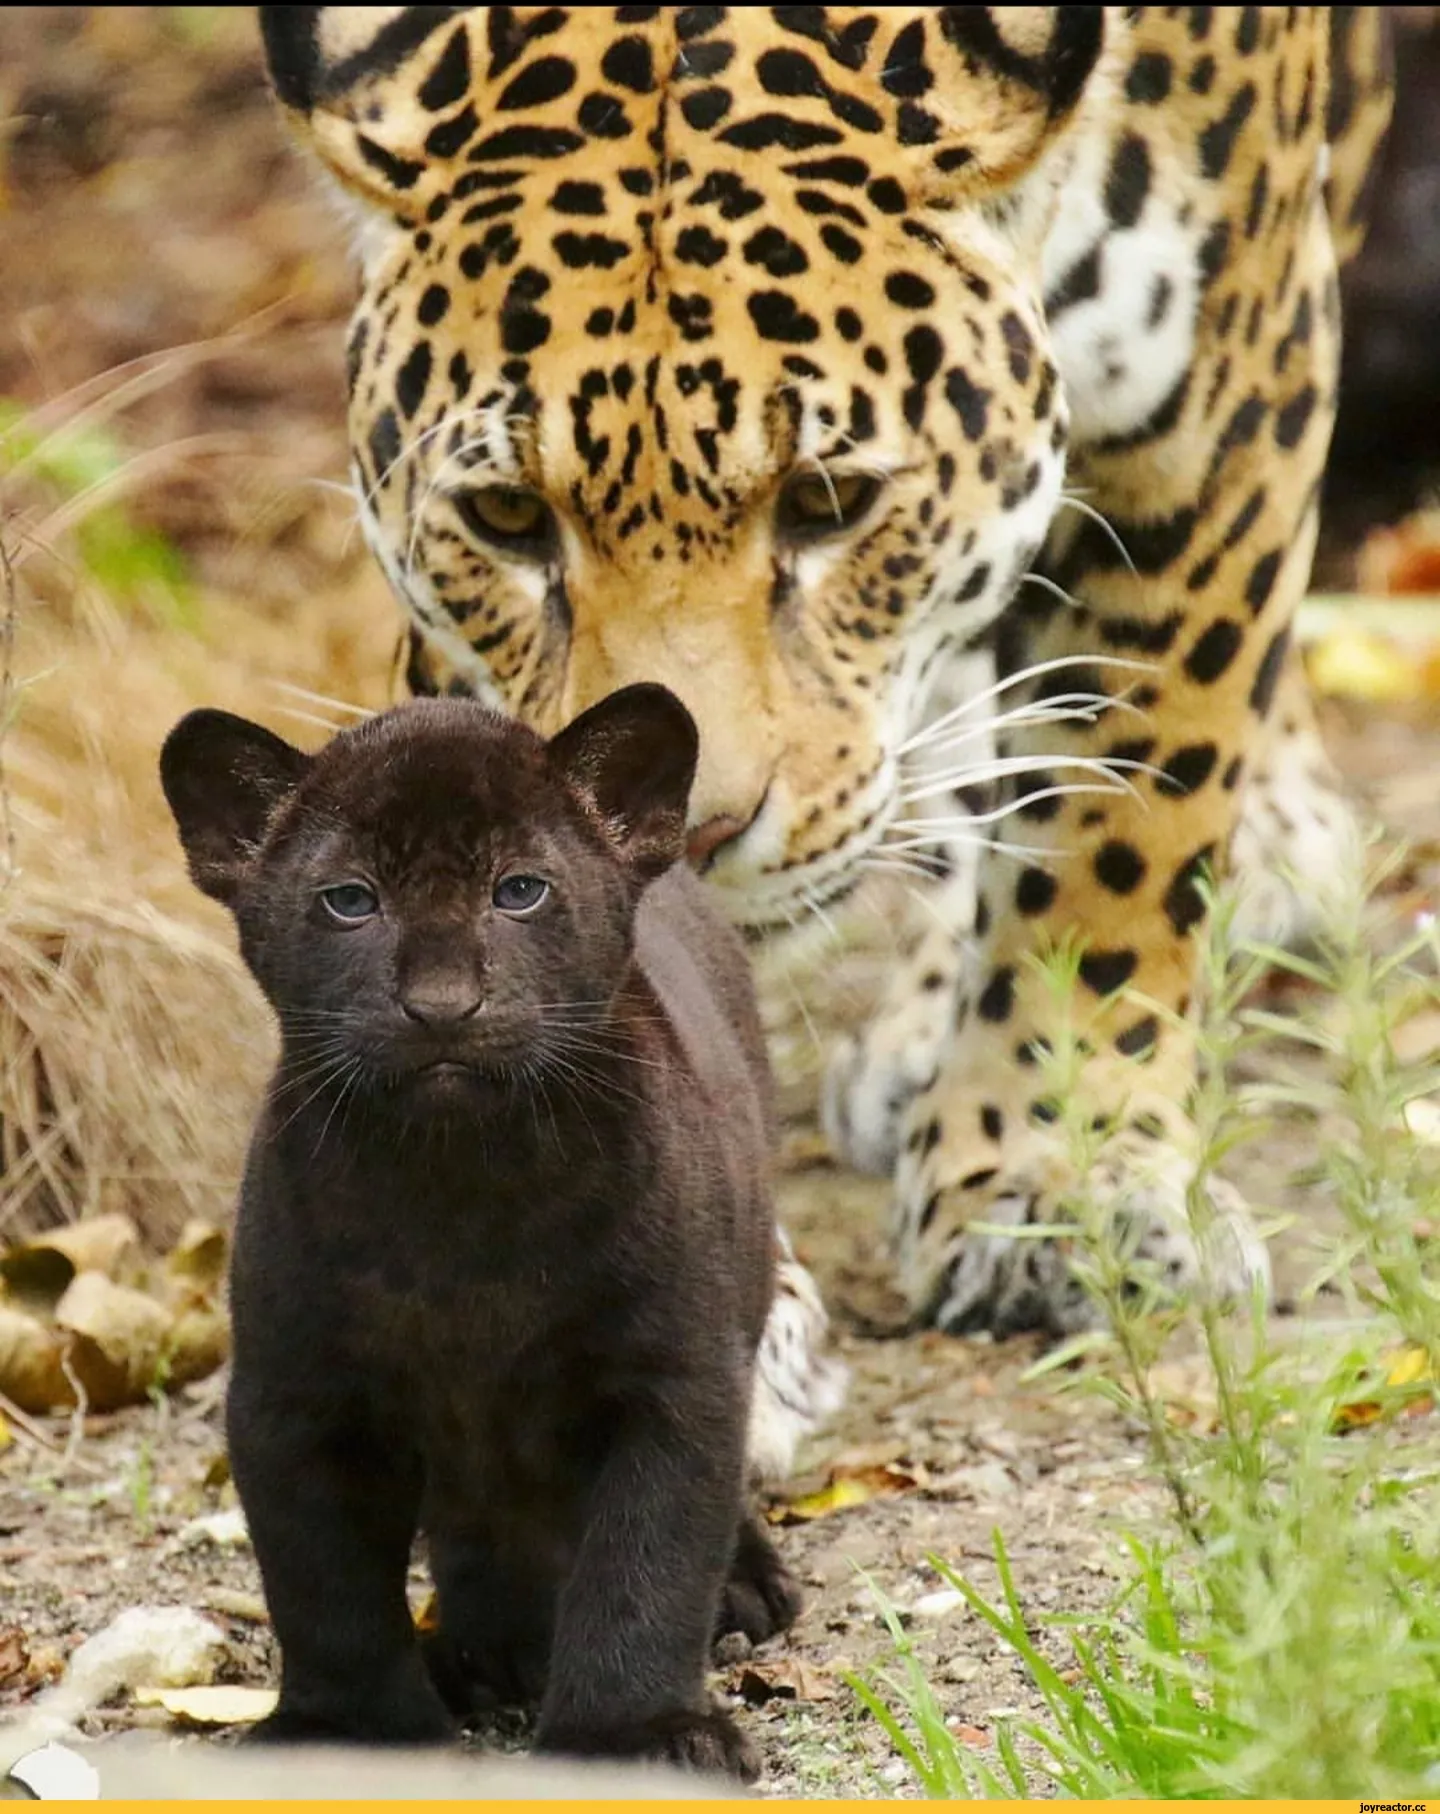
x=644, y=287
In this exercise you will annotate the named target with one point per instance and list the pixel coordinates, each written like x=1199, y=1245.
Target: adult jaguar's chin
x=789, y=908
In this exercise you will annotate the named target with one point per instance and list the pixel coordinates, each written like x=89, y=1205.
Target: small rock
x=963, y=1669
x=734, y=1647
x=226, y=1530
x=938, y=1605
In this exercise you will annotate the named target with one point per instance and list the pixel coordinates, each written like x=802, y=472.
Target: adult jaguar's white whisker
x=1071, y=500
x=816, y=906
x=413, y=447
x=993, y=814
x=302, y=717
x=983, y=841
x=898, y=866
x=1065, y=708
x=461, y=455
x=1046, y=584
x=1003, y=767
x=932, y=730
x=949, y=834
x=322, y=699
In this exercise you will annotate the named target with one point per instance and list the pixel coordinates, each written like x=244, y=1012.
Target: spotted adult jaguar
x=803, y=358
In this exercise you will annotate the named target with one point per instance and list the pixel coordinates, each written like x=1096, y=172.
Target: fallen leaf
x=237, y=1605
x=198, y=1343
x=1409, y=1368
x=788, y=1679
x=845, y=1488
x=120, y=1339
x=32, y=1372
x=217, y=1471
x=14, y=1653
x=41, y=1269
x=1358, y=664
x=1406, y=1388
x=215, y=1706
x=198, y=1257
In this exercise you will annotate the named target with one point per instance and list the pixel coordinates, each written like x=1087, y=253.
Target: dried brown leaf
x=199, y=1342
x=197, y=1260
x=41, y=1269
x=787, y=1679
x=120, y=1339
x=14, y=1653
x=32, y=1372
x=847, y=1487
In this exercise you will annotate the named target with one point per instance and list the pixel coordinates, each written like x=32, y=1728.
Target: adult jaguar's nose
x=441, y=1005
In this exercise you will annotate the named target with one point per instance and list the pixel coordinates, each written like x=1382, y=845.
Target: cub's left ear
x=975, y=94
x=631, y=760
x=224, y=778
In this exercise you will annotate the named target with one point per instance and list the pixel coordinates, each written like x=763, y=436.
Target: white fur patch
x=797, y=1384
x=1118, y=362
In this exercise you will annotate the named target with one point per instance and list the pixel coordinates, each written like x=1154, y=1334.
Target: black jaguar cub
x=505, y=1246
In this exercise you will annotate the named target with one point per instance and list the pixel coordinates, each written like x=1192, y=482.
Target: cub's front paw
x=761, y=1596
x=413, y=1715
x=709, y=1741
x=475, y=1683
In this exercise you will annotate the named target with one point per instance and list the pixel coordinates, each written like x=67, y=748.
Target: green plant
x=81, y=468
x=1284, y=1638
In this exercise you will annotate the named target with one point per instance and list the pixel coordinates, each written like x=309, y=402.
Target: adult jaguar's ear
x=380, y=93
x=631, y=760
x=224, y=779
x=976, y=94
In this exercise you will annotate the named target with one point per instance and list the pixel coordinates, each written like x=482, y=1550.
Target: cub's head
x=704, y=346
x=438, y=898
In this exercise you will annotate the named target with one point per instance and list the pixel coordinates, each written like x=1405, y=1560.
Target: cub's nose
x=441, y=1006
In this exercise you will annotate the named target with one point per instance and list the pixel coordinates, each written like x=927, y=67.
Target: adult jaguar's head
x=704, y=346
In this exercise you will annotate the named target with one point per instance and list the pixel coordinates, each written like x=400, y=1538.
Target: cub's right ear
x=224, y=777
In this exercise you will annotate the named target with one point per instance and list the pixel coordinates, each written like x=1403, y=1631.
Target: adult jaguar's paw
x=1298, y=853
x=966, y=1281
x=709, y=1741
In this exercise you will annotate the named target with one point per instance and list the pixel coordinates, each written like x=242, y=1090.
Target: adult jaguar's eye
x=520, y=894
x=350, y=903
x=815, y=504
x=511, y=517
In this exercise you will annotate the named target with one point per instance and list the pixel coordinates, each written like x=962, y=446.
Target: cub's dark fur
x=505, y=1248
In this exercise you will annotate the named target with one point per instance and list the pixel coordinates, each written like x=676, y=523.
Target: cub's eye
x=519, y=894
x=815, y=504
x=510, y=517
x=350, y=902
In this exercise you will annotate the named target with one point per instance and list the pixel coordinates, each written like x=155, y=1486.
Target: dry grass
x=131, y=1040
